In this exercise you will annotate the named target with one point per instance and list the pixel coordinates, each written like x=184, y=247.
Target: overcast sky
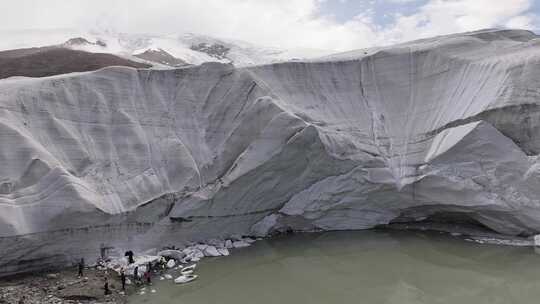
x=324, y=24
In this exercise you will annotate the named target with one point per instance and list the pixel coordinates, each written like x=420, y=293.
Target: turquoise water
x=361, y=267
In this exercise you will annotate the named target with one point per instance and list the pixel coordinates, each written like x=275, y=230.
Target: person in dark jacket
x=106, y=287
x=123, y=279
x=129, y=254
x=81, y=267
x=136, y=273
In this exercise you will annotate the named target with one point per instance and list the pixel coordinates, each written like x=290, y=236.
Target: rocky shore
x=63, y=287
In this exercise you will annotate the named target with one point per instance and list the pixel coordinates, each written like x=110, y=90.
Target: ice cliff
x=144, y=158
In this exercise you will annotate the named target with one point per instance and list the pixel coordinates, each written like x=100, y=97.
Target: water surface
x=361, y=267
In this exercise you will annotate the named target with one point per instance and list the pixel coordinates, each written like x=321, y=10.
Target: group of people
x=147, y=275
x=138, y=279
x=80, y=274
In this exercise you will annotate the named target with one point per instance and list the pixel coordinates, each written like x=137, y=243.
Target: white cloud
x=439, y=17
x=523, y=21
x=285, y=23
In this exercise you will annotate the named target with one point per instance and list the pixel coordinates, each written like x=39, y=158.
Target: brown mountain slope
x=48, y=61
x=161, y=56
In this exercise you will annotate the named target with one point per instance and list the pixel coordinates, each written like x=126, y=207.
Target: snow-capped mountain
x=161, y=50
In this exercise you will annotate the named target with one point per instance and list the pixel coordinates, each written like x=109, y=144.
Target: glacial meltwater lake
x=361, y=267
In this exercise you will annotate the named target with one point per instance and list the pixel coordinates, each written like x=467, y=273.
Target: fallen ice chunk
x=241, y=244
x=171, y=264
x=223, y=251
x=211, y=251
x=189, y=268
x=198, y=253
x=185, y=278
x=248, y=240
x=537, y=240
x=173, y=254
x=201, y=247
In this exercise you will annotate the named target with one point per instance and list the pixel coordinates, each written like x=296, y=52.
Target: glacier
x=140, y=159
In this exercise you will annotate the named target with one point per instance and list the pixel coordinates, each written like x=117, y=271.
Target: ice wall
x=145, y=158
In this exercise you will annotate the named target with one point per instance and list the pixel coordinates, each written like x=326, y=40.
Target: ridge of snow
x=240, y=53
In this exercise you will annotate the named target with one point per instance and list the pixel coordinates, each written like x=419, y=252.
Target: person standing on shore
x=106, y=287
x=129, y=254
x=136, y=274
x=162, y=263
x=81, y=267
x=148, y=277
x=123, y=279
